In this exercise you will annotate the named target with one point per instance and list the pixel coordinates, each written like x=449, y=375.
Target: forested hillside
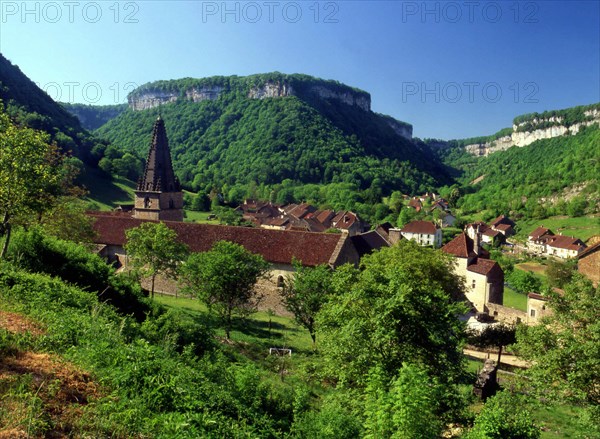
x=303, y=137
x=549, y=177
x=94, y=116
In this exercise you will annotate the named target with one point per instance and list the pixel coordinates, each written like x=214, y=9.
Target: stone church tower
x=158, y=195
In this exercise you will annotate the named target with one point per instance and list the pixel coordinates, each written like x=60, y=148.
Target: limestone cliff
x=527, y=132
x=151, y=96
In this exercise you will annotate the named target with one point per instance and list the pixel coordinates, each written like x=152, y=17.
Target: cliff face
x=152, y=98
x=548, y=128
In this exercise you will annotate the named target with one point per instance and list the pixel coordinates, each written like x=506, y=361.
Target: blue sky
x=452, y=69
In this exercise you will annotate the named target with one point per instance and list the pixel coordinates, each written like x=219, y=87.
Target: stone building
x=158, y=195
x=484, y=278
x=425, y=233
x=278, y=247
x=588, y=263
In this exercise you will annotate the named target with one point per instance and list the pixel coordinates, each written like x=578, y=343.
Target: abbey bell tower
x=158, y=195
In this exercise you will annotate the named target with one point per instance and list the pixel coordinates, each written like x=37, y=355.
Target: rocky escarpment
x=153, y=97
x=525, y=133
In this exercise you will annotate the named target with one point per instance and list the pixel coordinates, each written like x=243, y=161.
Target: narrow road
x=507, y=359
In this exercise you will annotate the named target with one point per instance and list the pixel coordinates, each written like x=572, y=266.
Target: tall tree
x=224, y=278
x=401, y=307
x=305, y=293
x=30, y=174
x=153, y=249
x=564, y=349
x=498, y=336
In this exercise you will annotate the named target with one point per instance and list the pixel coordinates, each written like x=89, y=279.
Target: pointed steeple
x=159, y=196
x=158, y=175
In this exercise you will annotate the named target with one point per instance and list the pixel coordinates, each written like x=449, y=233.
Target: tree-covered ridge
x=243, y=84
x=525, y=179
x=238, y=140
x=565, y=117
x=92, y=117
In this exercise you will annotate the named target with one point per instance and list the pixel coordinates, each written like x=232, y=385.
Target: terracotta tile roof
x=503, y=227
x=539, y=232
x=276, y=246
x=566, y=242
x=344, y=220
x=488, y=268
x=591, y=249
x=491, y=233
x=537, y=296
x=461, y=246
x=416, y=204
x=366, y=243
x=502, y=219
x=423, y=227
x=325, y=217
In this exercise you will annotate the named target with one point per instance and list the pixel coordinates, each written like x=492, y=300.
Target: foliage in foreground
x=383, y=315
x=565, y=348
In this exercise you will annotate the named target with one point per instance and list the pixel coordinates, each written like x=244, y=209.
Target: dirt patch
x=62, y=388
x=18, y=323
x=477, y=180
x=533, y=267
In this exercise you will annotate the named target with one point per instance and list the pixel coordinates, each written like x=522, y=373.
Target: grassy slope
x=105, y=192
x=583, y=227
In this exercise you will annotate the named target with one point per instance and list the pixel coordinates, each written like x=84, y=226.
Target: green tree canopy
x=31, y=174
x=305, y=293
x=504, y=416
x=564, y=349
x=153, y=249
x=224, y=278
x=400, y=307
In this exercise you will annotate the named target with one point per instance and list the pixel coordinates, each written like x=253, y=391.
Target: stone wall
x=589, y=266
x=505, y=314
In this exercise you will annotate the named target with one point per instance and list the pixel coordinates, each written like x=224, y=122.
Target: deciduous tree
x=153, y=249
x=224, y=278
x=305, y=293
x=564, y=349
x=30, y=174
x=401, y=307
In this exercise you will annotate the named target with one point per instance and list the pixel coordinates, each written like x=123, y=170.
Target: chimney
x=477, y=241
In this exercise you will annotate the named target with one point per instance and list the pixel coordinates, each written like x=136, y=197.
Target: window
x=532, y=313
x=280, y=282
x=473, y=284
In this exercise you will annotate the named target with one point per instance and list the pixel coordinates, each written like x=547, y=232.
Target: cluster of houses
x=291, y=232
x=434, y=205
x=300, y=217
x=543, y=242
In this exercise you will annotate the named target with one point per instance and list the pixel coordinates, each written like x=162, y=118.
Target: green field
x=199, y=217
x=515, y=300
x=255, y=331
x=581, y=227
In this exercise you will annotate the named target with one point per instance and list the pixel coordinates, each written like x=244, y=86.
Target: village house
x=299, y=217
x=504, y=225
x=537, y=240
x=564, y=247
x=487, y=234
x=544, y=242
x=588, y=263
x=484, y=278
x=537, y=307
x=425, y=233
